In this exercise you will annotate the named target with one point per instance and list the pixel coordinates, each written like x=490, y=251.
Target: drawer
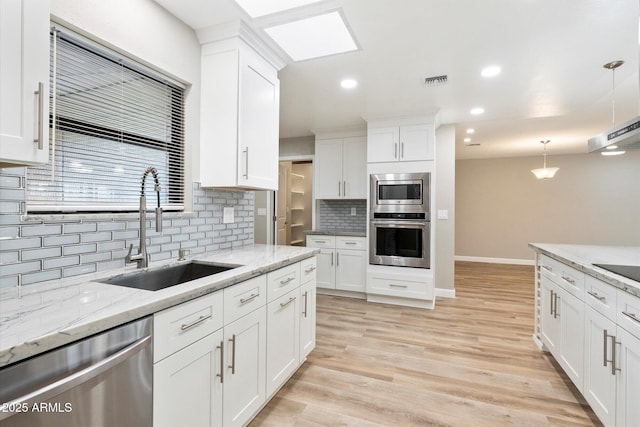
x=308, y=270
x=400, y=288
x=570, y=279
x=244, y=297
x=324, y=242
x=601, y=296
x=628, y=312
x=281, y=281
x=549, y=267
x=177, y=327
x=344, y=242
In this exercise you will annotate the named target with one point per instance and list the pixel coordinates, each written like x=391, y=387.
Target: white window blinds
x=110, y=119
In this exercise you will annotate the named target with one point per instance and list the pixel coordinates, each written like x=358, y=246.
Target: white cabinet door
x=599, y=383
x=328, y=169
x=571, y=315
x=307, y=318
x=354, y=168
x=416, y=142
x=350, y=270
x=245, y=343
x=549, y=324
x=187, y=387
x=283, y=339
x=326, y=272
x=383, y=144
x=258, y=124
x=24, y=82
x=628, y=386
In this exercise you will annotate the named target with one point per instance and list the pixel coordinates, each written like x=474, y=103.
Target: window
x=110, y=119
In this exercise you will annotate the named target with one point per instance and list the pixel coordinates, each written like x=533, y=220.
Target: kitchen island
x=40, y=317
x=588, y=318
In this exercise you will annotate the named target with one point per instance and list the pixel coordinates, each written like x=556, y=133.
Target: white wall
x=445, y=200
x=501, y=206
x=144, y=31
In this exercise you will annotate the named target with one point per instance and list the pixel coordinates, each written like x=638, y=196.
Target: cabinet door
x=259, y=105
x=628, y=387
x=326, y=272
x=599, y=382
x=350, y=270
x=328, y=169
x=416, y=142
x=354, y=168
x=283, y=339
x=187, y=387
x=307, y=318
x=383, y=144
x=571, y=316
x=24, y=55
x=244, y=376
x=549, y=325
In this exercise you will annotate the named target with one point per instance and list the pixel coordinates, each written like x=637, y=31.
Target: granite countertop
x=336, y=232
x=582, y=258
x=43, y=316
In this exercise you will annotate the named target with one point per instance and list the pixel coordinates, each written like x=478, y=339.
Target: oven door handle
x=400, y=223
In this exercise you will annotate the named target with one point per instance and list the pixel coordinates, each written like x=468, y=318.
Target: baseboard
x=496, y=260
x=445, y=293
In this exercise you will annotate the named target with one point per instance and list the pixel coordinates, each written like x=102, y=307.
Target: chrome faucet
x=142, y=257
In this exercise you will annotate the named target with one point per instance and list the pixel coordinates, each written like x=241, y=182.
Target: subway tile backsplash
x=336, y=214
x=45, y=247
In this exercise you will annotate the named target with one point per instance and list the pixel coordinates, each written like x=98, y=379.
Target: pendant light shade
x=544, y=172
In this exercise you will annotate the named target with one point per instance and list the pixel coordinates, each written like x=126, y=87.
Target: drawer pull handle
x=288, y=280
x=196, y=322
x=596, y=296
x=319, y=241
x=249, y=298
x=393, y=285
x=546, y=267
x=631, y=316
x=310, y=269
x=284, y=304
x=569, y=279
x=350, y=243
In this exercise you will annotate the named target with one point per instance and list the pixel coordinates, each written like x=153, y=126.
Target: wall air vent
x=435, y=80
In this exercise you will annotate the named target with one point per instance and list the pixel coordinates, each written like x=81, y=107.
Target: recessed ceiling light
x=612, y=153
x=470, y=131
x=314, y=37
x=491, y=71
x=477, y=110
x=612, y=147
x=467, y=140
x=348, y=83
x=256, y=8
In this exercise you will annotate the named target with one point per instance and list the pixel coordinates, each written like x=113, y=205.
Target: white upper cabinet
x=240, y=103
x=24, y=82
x=400, y=143
x=341, y=168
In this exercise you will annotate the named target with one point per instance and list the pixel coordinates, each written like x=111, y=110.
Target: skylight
x=257, y=8
x=314, y=37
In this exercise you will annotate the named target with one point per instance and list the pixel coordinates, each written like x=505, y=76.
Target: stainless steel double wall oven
x=399, y=226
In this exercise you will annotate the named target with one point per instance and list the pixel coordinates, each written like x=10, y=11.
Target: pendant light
x=544, y=172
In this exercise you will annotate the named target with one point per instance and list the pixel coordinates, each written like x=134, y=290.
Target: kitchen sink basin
x=161, y=278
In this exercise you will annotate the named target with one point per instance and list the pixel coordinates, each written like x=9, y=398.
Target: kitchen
x=481, y=233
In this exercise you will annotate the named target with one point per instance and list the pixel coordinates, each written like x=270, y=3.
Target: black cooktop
x=629, y=271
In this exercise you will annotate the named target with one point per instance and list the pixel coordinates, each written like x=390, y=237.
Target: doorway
x=294, y=201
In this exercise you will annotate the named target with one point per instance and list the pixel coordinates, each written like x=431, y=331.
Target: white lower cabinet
x=628, y=386
x=218, y=369
x=245, y=362
x=342, y=262
x=283, y=339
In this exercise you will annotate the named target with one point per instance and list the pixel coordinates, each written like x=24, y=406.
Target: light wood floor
x=469, y=362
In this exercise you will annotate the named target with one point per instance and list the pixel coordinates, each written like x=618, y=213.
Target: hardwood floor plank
x=469, y=362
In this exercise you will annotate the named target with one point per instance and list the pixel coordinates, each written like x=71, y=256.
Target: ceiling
x=552, y=85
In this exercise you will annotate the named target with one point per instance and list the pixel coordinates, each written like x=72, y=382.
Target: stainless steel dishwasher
x=104, y=380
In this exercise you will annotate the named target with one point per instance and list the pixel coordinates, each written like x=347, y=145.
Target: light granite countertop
x=582, y=258
x=336, y=232
x=43, y=316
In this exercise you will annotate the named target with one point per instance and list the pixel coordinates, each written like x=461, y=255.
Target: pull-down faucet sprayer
x=142, y=257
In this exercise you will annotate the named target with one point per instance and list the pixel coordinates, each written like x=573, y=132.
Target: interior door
x=282, y=205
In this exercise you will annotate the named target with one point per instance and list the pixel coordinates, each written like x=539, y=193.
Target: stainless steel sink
x=161, y=278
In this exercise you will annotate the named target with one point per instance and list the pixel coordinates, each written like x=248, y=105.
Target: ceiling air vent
x=435, y=80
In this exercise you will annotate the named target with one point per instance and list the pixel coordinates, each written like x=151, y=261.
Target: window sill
x=107, y=216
